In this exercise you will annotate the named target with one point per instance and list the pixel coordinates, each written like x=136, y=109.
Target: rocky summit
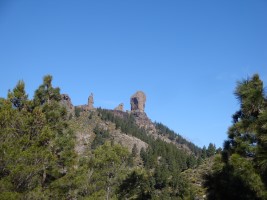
x=89, y=106
x=91, y=102
x=120, y=107
x=138, y=101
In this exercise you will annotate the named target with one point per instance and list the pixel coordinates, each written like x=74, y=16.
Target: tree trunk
x=108, y=191
x=44, y=175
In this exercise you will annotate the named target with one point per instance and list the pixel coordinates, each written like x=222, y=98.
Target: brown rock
x=91, y=102
x=128, y=141
x=66, y=101
x=89, y=105
x=138, y=101
x=120, y=107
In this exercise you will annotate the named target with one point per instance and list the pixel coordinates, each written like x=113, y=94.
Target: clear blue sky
x=185, y=55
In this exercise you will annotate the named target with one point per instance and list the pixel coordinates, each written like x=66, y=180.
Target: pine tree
x=36, y=146
x=242, y=134
x=211, y=150
x=109, y=164
x=204, y=152
x=135, y=186
x=261, y=149
x=18, y=96
x=236, y=174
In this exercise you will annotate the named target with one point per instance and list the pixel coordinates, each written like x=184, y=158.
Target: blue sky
x=185, y=55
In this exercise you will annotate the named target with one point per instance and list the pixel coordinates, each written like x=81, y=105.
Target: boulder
x=138, y=101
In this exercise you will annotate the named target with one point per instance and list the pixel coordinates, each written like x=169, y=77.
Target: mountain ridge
x=137, y=102
x=51, y=149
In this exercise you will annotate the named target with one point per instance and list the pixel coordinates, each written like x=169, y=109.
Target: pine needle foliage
x=240, y=171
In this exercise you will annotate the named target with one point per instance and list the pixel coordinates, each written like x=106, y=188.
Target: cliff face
x=66, y=101
x=138, y=101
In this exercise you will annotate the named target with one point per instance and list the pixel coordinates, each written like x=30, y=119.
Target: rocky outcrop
x=138, y=101
x=91, y=102
x=89, y=105
x=66, y=101
x=128, y=141
x=144, y=122
x=120, y=107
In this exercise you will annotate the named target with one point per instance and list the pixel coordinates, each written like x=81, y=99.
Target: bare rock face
x=66, y=101
x=91, y=102
x=144, y=122
x=120, y=107
x=128, y=141
x=138, y=101
x=89, y=106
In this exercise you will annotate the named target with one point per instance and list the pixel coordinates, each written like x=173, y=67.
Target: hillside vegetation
x=50, y=149
x=48, y=153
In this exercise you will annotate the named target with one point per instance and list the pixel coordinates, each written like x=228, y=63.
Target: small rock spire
x=91, y=102
x=120, y=107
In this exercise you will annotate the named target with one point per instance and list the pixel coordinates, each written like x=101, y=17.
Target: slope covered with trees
x=38, y=158
x=177, y=138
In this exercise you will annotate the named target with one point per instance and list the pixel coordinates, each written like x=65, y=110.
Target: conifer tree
x=261, y=149
x=36, y=146
x=204, y=152
x=211, y=150
x=236, y=173
x=109, y=164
